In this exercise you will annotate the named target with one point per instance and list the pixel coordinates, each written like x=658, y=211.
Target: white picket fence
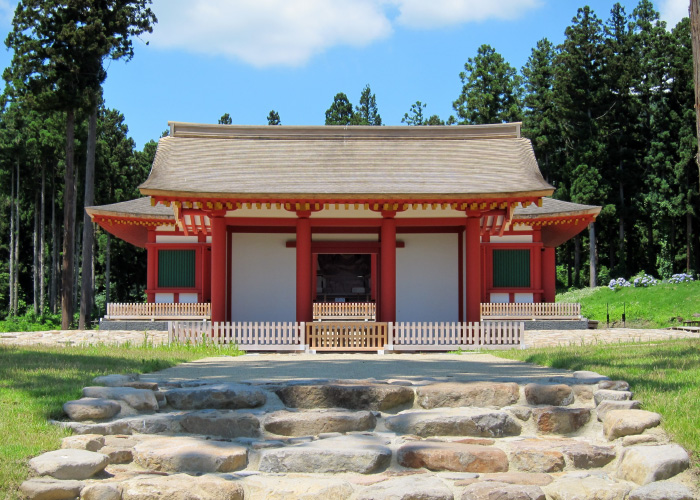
x=248, y=336
x=412, y=336
x=405, y=336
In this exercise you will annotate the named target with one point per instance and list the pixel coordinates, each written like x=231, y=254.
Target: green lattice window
x=511, y=268
x=176, y=268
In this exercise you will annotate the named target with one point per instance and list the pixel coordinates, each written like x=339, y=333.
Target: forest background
x=610, y=112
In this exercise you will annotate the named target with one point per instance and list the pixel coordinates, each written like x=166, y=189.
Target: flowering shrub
x=618, y=283
x=681, y=278
x=644, y=280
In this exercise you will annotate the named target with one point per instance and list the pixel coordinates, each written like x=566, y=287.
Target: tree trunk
x=76, y=268
x=650, y=243
x=68, y=226
x=695, y=33
x=17, y=231
x=42, y=243
x=11, y=282
x=53, y=292
x=688, y=240
x=592, y=254
x=577, y=261
x=621, y=241
x=108, y=264
x=568, y=266
x=35, y=264
x=86, y=290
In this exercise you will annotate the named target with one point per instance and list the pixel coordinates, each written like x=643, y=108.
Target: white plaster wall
x=176, y=239
x=500, y=298
x=165, y=298
x=263, y=278
x=515, y=238
x=427, y=284
x=523, y=298
x=188, y=298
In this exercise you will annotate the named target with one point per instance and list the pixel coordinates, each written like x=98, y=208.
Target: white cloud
x=290, y=32
x=437, y=13
x=267, y=32
x=673, y=11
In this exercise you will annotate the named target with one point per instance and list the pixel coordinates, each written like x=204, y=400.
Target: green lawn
x=665, y=376
x=36, y=381
x=654, y=307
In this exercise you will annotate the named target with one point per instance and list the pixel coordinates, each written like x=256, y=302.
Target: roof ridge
x=339, y=132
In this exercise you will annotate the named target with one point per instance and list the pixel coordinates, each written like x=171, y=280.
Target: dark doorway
x=343, y=278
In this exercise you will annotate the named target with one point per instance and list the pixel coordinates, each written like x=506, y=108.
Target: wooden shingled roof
x=232, y=161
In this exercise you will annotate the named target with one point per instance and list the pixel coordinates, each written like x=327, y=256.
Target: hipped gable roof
x=233, y=161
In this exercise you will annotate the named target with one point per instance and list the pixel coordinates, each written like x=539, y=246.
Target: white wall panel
x=500, y=298
x=263, y=278
x=427, y=278
x=188, y=298
x=523, y=298
x=515, y=238
x=176, y=239
x=165, y=298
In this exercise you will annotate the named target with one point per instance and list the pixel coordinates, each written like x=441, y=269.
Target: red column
x=373, y=277
x=304, y=305
x=314, y=276
x=537, y=271
x=151, y=267
x=218, y=269
x=549, y=274
x=387, y=296
x=473, y=251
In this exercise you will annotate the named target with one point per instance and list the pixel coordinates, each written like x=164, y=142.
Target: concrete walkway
x=284, y=367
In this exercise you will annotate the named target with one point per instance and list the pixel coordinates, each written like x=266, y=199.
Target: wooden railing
x=544, y=310
x=324, y=311
x=252, y=336
x=453, y=336
x=163, y=311
x=347, y=336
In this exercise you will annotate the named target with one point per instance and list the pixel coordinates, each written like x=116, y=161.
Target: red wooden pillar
x=373, y=277
x=314, y=276
x=151, y=267
x=218, y=269
x=388, y=268
x=537, y=272
x=304, y=296
x=549, y=274
x=473, y=254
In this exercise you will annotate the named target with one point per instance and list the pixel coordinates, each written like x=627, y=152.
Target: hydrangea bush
x=644, y=280
x=618, y=283
x=681, y=278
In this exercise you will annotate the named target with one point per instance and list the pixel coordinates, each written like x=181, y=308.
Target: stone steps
x=580, y=437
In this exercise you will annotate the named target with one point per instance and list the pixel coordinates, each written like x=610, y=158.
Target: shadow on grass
x=56, y=375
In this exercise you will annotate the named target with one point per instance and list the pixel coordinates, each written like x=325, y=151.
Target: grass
x=665, y=376
x=659, y=306
x=35, y=382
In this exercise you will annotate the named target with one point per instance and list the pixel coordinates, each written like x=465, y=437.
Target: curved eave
x=559, y=227
x=340, y=197
x=132, y=229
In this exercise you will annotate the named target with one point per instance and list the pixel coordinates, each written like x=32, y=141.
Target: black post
x=607, y=309
x=624, y=314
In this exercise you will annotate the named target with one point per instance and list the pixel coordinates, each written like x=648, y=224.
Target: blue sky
x=246, y=57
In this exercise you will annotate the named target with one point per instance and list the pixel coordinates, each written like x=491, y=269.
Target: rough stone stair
x=571, y=438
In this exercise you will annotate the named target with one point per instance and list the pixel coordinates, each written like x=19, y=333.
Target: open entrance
x=343, y=278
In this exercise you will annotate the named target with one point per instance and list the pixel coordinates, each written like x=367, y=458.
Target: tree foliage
x=491, y=90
